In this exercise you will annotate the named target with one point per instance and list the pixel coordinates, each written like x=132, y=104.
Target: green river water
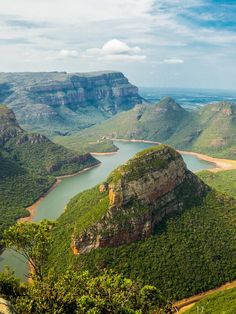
x=54, y=203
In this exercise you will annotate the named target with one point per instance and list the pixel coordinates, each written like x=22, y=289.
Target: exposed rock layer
x=141, y=193
x=70, y=100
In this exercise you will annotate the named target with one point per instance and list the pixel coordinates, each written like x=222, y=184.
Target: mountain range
x=210, y=129
x=60, y=103
x=151, y=220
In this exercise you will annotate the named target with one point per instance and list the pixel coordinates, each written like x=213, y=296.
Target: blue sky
x=165, y=43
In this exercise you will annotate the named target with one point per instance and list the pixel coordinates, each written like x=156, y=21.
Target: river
x=54, y=203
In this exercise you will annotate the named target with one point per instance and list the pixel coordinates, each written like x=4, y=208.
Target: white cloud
x=64, y=53
x=173, y=61
x=115, y=49
x=116, y=46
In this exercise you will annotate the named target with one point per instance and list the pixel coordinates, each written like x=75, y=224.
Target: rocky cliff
x=69, y=101
x=139, y=195
x=8, y=125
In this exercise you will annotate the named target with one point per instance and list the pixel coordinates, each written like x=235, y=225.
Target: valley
x=208, y=130
x=29, y=165
x=129, y=223
x=53, y=205
x=205, y=229
x=117, y=157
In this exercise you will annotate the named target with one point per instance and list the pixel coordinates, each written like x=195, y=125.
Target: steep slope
x=217, y=130
x=8, y=126
x=210, y=130
x=28, y=163
x=154, y=221
x=139, y=195
x=158, y=122
x=61, y=102
x=19, y=188
x=35, y=151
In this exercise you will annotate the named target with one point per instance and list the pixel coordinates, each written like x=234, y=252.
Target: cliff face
x=141, y=193
x=8, y=125
x=69, y=100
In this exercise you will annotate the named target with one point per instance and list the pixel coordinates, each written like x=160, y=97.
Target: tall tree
x=31, y=240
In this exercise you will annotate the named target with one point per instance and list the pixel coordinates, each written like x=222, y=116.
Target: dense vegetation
x=137, y=166
x=152, y=122
x=87, y=143
x=209, y=130
x=191, y=252
x=28, y=166
x=224, y=181
x=71, y=292
x=45, y=157
x=79, y=292
x=19, y=188
x=220, y=302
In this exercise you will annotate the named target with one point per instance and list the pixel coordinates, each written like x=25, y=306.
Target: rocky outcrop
x=141, y=193
x=70, y=100
x=32, y=139
x=8, y=125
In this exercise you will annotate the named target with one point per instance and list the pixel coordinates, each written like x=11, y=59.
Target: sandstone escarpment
x=140, y=194
x=69, y=100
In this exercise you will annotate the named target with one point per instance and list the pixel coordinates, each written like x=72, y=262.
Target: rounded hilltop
x=134, y=199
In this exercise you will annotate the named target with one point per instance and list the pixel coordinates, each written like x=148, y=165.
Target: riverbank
x=187, y=303
x=135, y=141
x=104, y=154
x=32, y=209
x=221, y=164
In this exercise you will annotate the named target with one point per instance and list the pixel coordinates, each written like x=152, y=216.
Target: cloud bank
x=142, y=38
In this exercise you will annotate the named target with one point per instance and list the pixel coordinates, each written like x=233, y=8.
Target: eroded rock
x=141, y=193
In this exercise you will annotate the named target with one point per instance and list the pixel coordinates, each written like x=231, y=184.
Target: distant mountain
x=215, y=132
x=29, y=163
x=152, y=220
x=156, y=122
x=211, y=129
x=58, y=103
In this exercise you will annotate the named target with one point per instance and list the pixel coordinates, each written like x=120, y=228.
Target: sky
x=159, y=43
